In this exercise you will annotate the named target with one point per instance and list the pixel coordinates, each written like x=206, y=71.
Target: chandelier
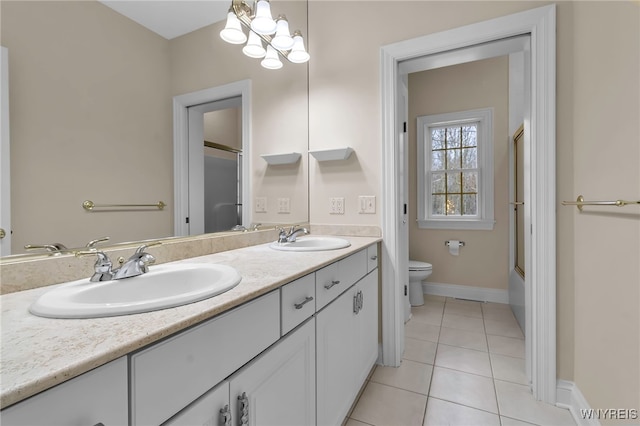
x=263, y=28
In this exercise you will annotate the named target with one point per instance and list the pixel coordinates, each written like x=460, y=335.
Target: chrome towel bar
x=90, y=205
x=581, y=202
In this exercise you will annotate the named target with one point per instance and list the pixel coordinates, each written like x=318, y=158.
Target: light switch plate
x=367, y=204
x=284, y=205
x=261, y=204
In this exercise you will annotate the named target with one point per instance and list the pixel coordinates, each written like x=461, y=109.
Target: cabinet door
x=278, y=388
x=336, y=352
x=96, y=397
x=367, y=319
x=211, y=409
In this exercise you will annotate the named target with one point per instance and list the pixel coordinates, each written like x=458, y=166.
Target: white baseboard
x=569, y=396
x=466, y=292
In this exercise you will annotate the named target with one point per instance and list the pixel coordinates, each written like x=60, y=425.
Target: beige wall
x=90, y=119
x=597, y=271
x=606, y=156
x=483, y=261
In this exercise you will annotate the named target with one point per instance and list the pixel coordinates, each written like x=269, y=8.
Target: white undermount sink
x=312, y=244
x=164, y=286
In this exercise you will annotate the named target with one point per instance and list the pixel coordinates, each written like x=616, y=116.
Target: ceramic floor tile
x=509, y=369
x=463, y=323
x=506, y=421
x=463, y=338
x=382, y=405
x=421, y=331
x=463, y=309
x=499, y=315
x=503, y=328
x=434, y=298
x=464, y=388
x=352, y=422
x=506, y=346
x=515, y=401
x=467, y=360
x=441, y=412
x=412, y=376
x=491, y=306
x=419, y=350
x=427, y=314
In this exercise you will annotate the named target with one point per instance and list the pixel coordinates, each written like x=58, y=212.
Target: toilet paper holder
x=460, y=243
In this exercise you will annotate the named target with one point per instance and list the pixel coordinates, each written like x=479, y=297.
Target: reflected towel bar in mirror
x=580, y=202
x=90, y=205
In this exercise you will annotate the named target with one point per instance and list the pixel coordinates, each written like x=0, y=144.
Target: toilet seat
x=415, y=265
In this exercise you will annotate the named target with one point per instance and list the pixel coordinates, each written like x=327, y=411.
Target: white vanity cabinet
x=167, y=376
x=347, y=348
x=279, y=387
x=96, y=397
x=211, y=409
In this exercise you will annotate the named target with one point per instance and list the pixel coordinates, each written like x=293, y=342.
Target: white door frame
x=5, y=155
x=540, y=130
x=181, y=104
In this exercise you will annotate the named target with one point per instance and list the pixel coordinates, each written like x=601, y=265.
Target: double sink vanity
x=273, y=334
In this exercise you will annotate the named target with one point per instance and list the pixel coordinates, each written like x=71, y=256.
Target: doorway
x=539, y=208
x=237, y=94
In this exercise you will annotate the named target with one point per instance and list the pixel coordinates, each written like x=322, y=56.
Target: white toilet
x=418, y=272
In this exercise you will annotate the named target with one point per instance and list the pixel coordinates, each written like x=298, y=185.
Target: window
x=455, y=170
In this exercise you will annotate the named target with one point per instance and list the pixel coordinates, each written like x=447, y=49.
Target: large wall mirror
x=91, y=118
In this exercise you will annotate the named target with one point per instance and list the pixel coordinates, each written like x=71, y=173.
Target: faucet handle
x=143, y=247
x=102, y=267
x=93, y=243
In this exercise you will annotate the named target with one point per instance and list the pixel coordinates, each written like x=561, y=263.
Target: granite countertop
x=38, y=353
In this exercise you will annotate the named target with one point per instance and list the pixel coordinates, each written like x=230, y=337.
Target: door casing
x=540, y=184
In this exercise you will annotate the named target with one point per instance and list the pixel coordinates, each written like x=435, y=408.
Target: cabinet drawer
x=298, y=302
x=207, y=410
x=334, y=279
x=98, y=396
x=168, y=376
x=372, y=257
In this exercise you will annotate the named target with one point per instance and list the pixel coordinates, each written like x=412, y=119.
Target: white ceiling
x=171, y=18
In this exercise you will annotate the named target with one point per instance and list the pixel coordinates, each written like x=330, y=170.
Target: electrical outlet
x=261, y=204
x=284, y=205
x=367, y=204
x=336, y=205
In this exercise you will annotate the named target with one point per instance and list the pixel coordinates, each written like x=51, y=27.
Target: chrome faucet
x=102, y=267
x=137, y=264
x=54, y=249
x=291, y=235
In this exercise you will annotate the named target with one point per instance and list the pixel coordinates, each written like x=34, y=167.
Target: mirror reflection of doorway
x=222, y=169
x=215, y=166
x=518, y=196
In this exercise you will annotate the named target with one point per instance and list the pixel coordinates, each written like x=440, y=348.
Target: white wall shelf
x=278, y=159
x=332, y=154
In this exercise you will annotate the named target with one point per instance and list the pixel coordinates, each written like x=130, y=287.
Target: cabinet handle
x=356, y=308
x=225, y=413
x=244, y=409
x=304, y=302
x=374, y=257
x=331, y=284
x=99, y=424
x=361, y=300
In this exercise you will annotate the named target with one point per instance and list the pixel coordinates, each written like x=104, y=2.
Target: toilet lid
x=415, y=265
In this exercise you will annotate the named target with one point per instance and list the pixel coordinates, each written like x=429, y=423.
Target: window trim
x=485, y=218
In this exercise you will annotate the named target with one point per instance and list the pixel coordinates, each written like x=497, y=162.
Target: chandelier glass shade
x=268, y=38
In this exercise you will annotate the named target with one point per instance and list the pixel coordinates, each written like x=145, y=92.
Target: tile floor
x=463, y=365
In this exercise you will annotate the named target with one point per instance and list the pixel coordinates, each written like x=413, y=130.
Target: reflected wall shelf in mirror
x=280, y=159
x=332, y=154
